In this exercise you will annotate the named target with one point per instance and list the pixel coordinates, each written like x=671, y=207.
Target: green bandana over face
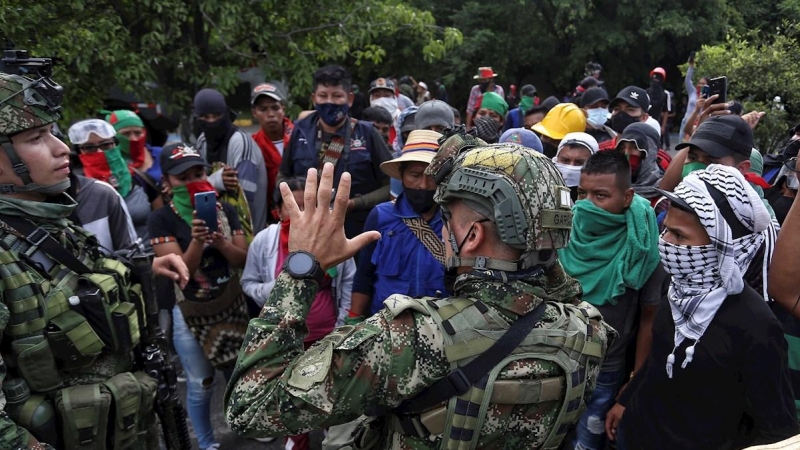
x=609, y=252
x=691, y=167
x=119, y=170
x=525, y=104
x=182, y=202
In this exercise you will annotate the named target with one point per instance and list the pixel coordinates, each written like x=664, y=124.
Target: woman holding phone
x=210, y=317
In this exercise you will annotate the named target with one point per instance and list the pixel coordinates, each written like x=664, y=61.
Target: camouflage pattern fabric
x=536, y=200
x=277, y=389
x=15, y=114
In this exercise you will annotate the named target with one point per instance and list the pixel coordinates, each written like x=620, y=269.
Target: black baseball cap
x=382, y=83
x=545, y=107
x=593, y=95
x=179, y=157
x=271, y=90
x=634, y=96
x=722, y=136
x=528, y=90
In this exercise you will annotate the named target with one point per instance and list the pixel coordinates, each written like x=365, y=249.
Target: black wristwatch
x=303, y=265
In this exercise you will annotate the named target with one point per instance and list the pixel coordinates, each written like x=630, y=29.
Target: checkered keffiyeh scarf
x=704, y=276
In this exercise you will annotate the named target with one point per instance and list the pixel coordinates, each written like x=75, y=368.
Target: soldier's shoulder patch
x=312, y=367
x=397, y=303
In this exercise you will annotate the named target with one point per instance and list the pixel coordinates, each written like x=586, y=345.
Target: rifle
x=153, y=358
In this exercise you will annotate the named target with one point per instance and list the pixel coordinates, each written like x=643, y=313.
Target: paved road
x=228, y=439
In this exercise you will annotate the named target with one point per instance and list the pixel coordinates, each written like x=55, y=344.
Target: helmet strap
x=22, y=171
x=17, y=165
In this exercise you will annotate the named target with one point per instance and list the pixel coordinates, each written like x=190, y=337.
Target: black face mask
x=484, y=86
x=621, y=120
x=549, y=149
x=421, y=200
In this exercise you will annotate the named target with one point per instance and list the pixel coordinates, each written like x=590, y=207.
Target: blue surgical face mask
x=597, y=117
x=331, y=113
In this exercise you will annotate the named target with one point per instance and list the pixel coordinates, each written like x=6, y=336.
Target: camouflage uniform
x=34, y=302
x=277, y=389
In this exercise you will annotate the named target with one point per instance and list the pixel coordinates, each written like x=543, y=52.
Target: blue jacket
x=398, y=263
x=514, y=119
x=367, y=152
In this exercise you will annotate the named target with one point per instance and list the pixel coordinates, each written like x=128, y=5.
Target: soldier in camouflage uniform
x=57, y=365
x=500, y=243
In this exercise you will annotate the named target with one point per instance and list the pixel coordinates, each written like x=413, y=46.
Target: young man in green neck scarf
x=613, y=252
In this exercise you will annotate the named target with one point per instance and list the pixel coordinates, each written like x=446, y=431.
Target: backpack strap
x=39, y=238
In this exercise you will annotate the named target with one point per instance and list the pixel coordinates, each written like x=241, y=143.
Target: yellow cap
x=564, y=118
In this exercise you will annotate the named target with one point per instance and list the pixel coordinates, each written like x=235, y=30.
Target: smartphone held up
x=205, y=204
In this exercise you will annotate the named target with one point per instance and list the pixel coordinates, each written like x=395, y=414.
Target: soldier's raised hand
x=319, y=229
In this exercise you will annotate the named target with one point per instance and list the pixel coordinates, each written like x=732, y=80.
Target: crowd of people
x=686, y=330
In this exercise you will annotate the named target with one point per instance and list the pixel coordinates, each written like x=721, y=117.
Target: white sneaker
x=264, y=440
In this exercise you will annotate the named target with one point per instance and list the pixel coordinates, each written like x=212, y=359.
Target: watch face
x=300, y=264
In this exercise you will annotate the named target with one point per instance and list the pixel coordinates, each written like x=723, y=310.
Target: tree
x=760, y=68
x=168, y=49
x=548, y=42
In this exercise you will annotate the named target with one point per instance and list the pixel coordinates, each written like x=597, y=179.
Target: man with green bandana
x=494, y=106
x=132, y=137
x=418, y=368
x=613, y=253
x=516, y=117
x=72, y=384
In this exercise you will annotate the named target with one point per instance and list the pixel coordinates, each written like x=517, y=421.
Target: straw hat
x=421, y=146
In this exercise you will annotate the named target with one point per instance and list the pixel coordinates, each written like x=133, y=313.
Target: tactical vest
x=72, y=337
x=470, y=328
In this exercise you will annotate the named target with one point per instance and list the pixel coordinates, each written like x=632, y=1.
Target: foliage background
x=165, y=50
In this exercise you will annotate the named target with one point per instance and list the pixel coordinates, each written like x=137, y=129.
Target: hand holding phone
x=205, y=204
x=718, y=86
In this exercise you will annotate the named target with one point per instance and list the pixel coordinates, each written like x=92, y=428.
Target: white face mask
x=387, y=103
x=571, y=174
x=597, y=117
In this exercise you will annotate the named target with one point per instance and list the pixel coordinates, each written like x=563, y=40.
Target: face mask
x=213, y=130
x=690, y=264
x=691, y=167
x=183, y=198
x=421, y=200
x=132, y=150
x=119, y=170
x=525, y=104
x=571, y=174
x=621, y=120
x=331, y=113
x=597, y=117
x=549, y=149
x=108, y=166
x=387, y=103
x=635, y=161
x=484, y=86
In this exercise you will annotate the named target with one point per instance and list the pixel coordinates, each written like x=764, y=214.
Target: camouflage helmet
x=22, y=108
x=517, y=188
